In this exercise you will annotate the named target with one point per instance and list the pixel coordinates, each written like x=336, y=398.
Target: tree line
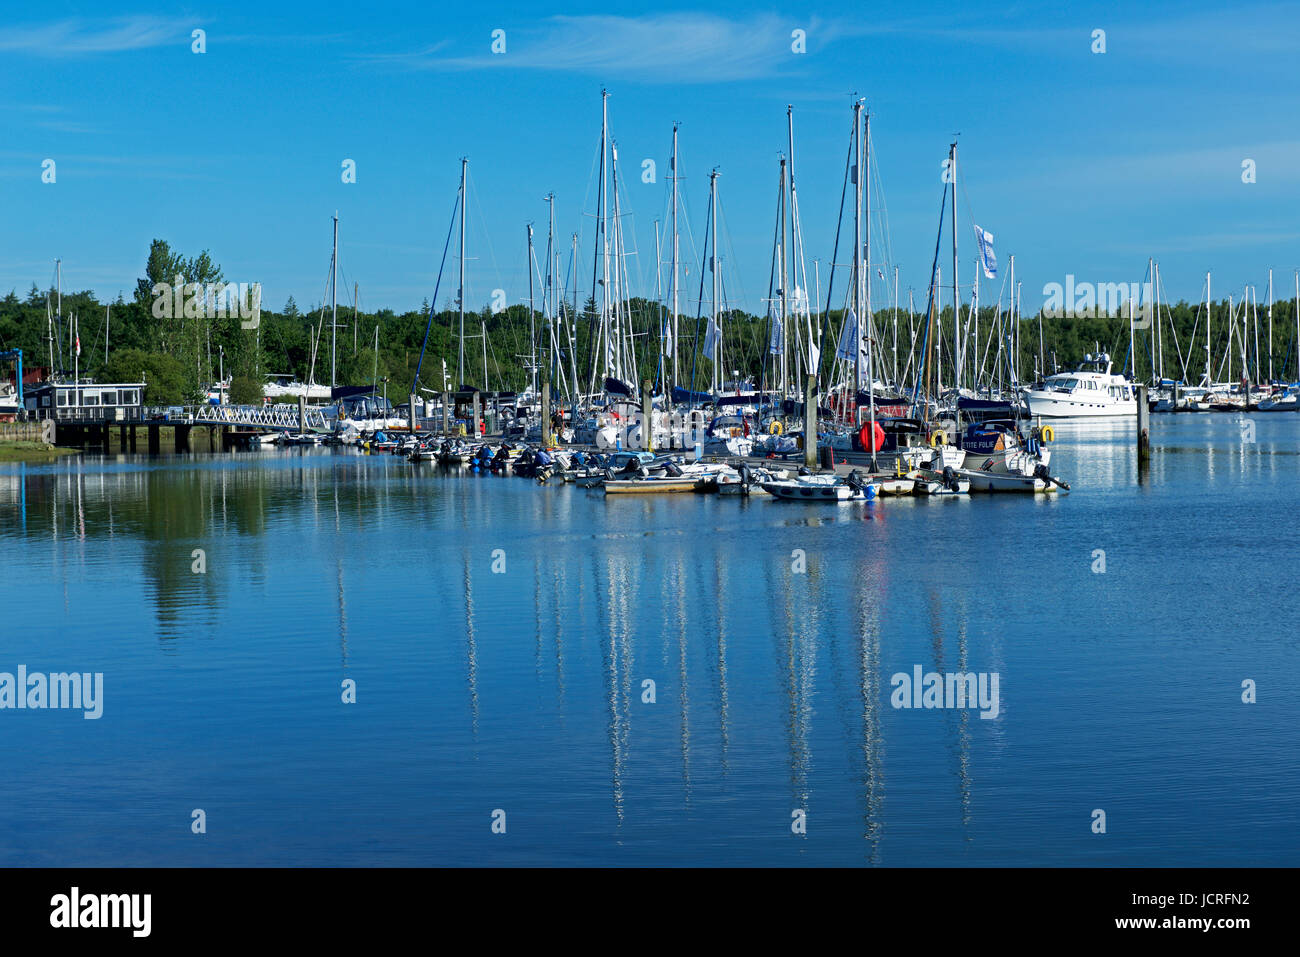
x=179, y=356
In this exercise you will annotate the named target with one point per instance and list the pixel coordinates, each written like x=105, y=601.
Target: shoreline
x=26, y=450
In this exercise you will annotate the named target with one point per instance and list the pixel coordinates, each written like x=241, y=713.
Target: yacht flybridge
x=1092, y=390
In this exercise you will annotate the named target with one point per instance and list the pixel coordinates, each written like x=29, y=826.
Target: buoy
x=775, y=428
x=938, y=437
x=1047, y=434
x=866, y=433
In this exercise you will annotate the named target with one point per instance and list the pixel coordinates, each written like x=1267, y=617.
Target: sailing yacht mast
x=532, y=331
x=334, y=304
x=958, y=347
x=857, y=256
x=673, y=280
x=865, y=317
x=1208, y=380
x=1270, y=326
x=460, y=295
x=713, y=218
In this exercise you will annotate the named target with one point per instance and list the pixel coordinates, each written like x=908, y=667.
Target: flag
x=848, y=335
x=668, y=343
x=78, y=345
x=774, y=341
x=711, y=336
x=987, y=258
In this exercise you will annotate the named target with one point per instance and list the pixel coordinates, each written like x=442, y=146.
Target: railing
x=93, y=414
x=257, y=416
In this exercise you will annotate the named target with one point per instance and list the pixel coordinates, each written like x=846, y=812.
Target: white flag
x=711, y=339
x=987, y=258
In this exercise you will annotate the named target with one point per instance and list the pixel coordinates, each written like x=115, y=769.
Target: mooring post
x=446, y=413
x=546, y=414
x=302, y=414
x=478, y=416
x=411, y=415
x=810, y=422
x=647, y=417
x=1143, y=428
x=155, y=440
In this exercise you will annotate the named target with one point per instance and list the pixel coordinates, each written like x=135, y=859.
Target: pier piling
x=478, y=415
x=302, y=414
x=1143, y=430
x=647, y=418
x=411, y=414
x=446, y=413
x=546, y=413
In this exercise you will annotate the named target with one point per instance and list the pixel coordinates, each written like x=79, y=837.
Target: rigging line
x=433, y=302
x=835, y=254
x=929, y=309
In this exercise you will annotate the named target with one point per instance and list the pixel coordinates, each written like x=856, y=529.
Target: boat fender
x=938, y=437
x=775, y=428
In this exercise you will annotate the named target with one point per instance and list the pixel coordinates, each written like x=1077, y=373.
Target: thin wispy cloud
x=75, y=37
x=671, y=47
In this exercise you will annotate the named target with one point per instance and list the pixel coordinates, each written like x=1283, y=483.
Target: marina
x=679, y=440
x=500, y=632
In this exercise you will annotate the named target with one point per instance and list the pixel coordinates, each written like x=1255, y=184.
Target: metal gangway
x=276, y=417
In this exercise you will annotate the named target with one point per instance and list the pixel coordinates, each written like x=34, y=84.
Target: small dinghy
x=947, y=482
x=823, y=488
x=1040, y=481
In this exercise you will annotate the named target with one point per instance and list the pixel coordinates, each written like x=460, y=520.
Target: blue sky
x=1077, y=162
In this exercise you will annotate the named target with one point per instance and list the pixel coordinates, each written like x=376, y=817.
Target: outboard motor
x=854, y=481
x=950, y=479
x=673, y=470
x=805, y=470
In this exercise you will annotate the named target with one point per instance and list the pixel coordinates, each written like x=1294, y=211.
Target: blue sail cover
x=617, y=387
x=752, y=398
x=686, y=395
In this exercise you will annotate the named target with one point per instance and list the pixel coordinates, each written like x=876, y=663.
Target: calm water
x=523, y=690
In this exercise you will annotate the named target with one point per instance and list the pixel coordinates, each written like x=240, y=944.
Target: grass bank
x=28, y=451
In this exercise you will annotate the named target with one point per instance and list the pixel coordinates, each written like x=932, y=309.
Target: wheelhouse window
x=108, y=398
